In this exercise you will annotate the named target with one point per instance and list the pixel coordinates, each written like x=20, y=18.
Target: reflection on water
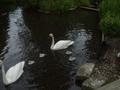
x=27, y=39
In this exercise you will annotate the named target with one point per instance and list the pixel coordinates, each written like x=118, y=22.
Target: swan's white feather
x=62, y=44
x=13, y=73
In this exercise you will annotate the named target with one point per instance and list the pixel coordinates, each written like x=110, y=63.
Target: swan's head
x=51, y=35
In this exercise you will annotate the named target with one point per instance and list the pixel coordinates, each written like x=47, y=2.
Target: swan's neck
x=4, y=75
x=53, y=42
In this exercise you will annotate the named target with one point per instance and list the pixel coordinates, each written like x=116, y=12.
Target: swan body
x=13, y=74
x=62, y=44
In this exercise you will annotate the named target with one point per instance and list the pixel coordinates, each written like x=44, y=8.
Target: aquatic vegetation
x=85, y=2
x=110, y=16
x=62, y=5
x=50, y=5
x=57, y=5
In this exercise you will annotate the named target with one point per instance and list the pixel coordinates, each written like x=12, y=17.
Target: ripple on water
x=53, y=71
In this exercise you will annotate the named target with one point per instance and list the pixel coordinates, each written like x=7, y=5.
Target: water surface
x=24, y=36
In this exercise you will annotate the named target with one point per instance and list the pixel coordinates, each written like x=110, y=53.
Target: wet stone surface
x=107, y=69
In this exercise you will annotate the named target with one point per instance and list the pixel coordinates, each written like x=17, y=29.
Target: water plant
x=110, y=16
x=57, y=5
x=84, y=2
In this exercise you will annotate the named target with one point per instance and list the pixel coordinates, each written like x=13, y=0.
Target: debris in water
x=118, y=55
x=31, y=62
x=82, y=30
x=68, y=52
x=72, y=58
x=42, y=55
x=3, y=14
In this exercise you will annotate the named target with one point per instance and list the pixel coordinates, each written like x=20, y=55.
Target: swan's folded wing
x=63, y=44
x=15, y=72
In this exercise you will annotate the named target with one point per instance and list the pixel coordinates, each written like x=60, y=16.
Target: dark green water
x=24, y=36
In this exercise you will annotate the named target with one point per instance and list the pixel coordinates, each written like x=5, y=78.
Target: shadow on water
x=27, y=39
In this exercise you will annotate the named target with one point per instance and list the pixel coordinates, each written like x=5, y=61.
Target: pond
x=24, y=36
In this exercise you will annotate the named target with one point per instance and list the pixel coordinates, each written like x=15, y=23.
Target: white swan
x=62, y=44
x=13, y=74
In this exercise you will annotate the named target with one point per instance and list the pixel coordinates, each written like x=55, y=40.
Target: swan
x=13, y=73
x=62, y=44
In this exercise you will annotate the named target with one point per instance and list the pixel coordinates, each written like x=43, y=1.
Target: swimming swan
x=13, y=74
x=62, y=44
